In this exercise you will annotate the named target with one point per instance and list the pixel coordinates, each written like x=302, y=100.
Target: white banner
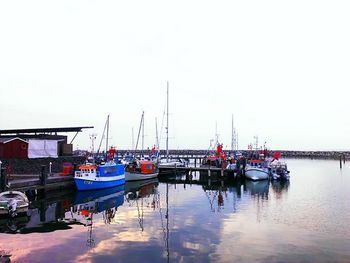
x=42, y=149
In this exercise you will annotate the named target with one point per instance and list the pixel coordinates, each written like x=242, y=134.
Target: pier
x=42, y=181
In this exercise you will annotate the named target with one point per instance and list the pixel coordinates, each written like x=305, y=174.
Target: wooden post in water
x=43, y=175
x=3, y=179
x=209, y=172
x=341, y=164
x=195, y=162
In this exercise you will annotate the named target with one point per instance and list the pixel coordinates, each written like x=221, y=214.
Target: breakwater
x=336, y=155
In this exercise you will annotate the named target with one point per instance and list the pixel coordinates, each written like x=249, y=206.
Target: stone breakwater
x=336, y=155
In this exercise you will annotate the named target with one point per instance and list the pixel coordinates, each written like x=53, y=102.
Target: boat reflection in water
x=258, y=188
x=142, y=194
x=89, y=203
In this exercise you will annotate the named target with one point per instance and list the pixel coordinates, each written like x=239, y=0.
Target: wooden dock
x=189, y=169
x=43, y=181
x=46, y=182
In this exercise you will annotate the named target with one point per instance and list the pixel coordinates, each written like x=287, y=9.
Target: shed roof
x=45, y=130
x=7, y=140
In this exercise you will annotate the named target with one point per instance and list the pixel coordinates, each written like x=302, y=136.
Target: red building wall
x=15, y=149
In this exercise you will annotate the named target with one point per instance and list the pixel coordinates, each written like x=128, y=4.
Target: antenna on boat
x=234, y=139
x=93, y=137
x=256, y=142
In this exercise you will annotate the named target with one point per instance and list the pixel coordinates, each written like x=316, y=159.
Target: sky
x=281, y=68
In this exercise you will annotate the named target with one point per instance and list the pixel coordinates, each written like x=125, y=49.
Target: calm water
x=305, y=220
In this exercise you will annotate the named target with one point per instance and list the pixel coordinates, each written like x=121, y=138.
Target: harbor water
x=191, y=219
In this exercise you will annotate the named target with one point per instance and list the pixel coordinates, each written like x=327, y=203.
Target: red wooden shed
x=13, y=148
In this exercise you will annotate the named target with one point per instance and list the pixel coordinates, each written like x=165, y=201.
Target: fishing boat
x=140, y=170
x=257, y=170
x=98, y=176
x=217, y=159
x=13, y=203
x=257, y=166
x=278, y=169
x=92, y=176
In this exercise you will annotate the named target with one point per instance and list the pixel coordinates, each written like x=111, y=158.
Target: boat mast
x=232, y=137
x=216, y=135
x=157, y=139
x=138, y=135
x=143, y=135
x=107, y=135
x=103, y=134
x=167, y=122
x=132, y=138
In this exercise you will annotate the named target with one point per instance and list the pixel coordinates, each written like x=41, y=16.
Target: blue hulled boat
x=92, y=176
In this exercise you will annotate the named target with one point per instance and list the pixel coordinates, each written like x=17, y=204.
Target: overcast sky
x=282, y=68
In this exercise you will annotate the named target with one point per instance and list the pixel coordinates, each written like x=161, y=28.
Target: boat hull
x=257, y=174
x=88, y=184
x=13, y=202
x=134, y=176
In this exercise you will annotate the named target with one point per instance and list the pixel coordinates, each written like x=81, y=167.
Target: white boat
x=13, y=203
x=140, y=170
x=171, y=163
x=257, y=170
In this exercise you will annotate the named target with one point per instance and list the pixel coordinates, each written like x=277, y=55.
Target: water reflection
x=258, y=188
x=142, y=194
x=183, y=217
x=60, y=212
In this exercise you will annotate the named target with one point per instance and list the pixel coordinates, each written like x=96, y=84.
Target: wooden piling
x=341, y=164
x=3, y=179
x=195, y=162
x=43, y=175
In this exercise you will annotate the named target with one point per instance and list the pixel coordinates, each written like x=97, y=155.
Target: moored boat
x=13, y=203
x=166, y=163
x=279, y=170
x=140, y=170
x=93, y=176
x=257, y=170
